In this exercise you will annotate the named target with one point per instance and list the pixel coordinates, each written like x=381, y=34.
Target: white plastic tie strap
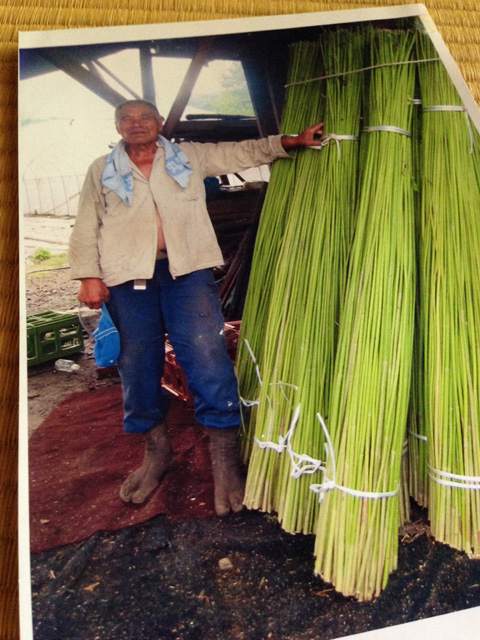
x=326, y=139
x=302, y=464
x=445, y=107
x=283, y=441
x=471, y=483
x=330, y=484
x=279, y=446
x=418, y=436
x=337, y=138
x=452, y=107
x=252, y=403
x=403, y=132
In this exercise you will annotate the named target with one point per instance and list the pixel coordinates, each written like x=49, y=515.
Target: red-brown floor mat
x=80, y=455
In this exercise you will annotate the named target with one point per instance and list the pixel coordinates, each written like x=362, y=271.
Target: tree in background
x=232, y=99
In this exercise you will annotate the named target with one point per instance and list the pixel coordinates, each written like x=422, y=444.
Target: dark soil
x=163, y=580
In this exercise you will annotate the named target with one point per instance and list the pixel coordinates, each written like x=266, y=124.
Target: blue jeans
x=188, y=309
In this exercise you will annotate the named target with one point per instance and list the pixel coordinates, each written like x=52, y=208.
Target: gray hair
x=127, y=103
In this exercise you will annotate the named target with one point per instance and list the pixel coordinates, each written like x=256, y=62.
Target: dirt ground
x=238, y=578
x=54, y=291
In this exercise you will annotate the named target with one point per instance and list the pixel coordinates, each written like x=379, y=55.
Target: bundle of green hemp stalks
x=357, y=529
x=450, y=298
x=299, y=112
x=306, y=296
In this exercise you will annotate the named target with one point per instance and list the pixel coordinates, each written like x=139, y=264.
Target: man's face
x=138, y=124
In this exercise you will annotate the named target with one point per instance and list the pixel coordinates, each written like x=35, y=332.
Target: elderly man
x=143, y=243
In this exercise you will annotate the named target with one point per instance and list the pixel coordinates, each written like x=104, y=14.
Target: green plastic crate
x=52, y=335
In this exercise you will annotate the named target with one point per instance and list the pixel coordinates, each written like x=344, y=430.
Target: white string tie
x=249, y=403
x=280, y=445
x=326, y=139
x=454, y=480
x=417, y=435
x=329, y=137
x=283, y=441
x=392, y=129
x=303, y=464
x=284, y=384
x=252, y=403
x=330, y=484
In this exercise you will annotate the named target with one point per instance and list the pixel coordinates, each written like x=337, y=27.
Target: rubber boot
x=228, y=478
x=156, y=462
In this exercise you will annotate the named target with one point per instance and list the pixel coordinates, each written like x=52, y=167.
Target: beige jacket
x=118, y=243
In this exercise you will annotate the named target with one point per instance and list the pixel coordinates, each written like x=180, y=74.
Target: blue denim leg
x=138, y=317
x=195, y=326
x=188, y=308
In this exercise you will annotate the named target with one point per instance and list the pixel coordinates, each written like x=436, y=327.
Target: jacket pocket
x=114, y=205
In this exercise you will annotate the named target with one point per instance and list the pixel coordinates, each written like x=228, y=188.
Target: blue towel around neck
x=117, y=174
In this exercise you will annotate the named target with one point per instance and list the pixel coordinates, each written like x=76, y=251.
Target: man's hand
x=310, y=137
x=93, y=292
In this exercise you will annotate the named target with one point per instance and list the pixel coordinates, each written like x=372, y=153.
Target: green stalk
x=417, y=472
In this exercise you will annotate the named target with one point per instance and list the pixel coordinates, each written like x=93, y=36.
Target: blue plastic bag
x=107, y=341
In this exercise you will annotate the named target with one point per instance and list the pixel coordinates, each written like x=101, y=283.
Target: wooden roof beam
x=146, y=69
x=191, y=77
x=67, y=63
